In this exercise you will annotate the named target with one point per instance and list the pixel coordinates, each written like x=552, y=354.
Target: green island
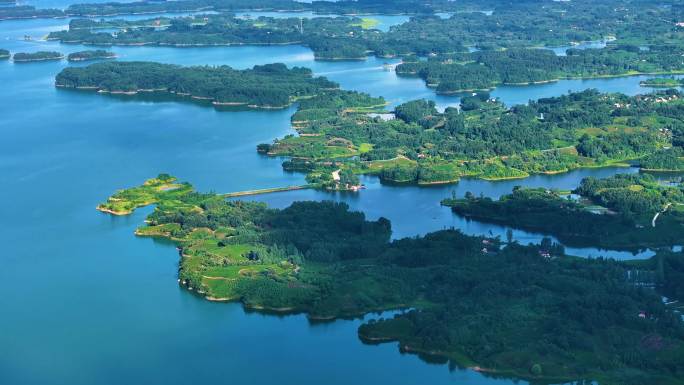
x=4, y=54
x=91, y=55
x=484, y=70
x=662, y=82
x=263, y=86
x=484, y=139
x=625, y=211
x=507, y=310
x=21, y=57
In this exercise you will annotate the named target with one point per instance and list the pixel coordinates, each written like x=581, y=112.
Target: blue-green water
x=86, y=302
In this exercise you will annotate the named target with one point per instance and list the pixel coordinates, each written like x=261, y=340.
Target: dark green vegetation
x=663, y=82
x=621, y=212
x=4, y=54
x=511, y=311
x=488, y=69
x=484, y=139
x=37, y=56
x=266, y=86
x=91, y=55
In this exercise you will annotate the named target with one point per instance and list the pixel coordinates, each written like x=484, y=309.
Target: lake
x=85, y=301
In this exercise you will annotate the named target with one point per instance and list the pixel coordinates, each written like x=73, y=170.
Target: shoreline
x=173, y=93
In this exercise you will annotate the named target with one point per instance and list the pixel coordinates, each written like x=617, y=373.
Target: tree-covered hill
x=271, y=85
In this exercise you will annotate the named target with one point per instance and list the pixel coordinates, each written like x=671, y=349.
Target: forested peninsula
x=263, y=86
x=626, y=211
x=484, y=70
x=482, y=138
x=521, y=311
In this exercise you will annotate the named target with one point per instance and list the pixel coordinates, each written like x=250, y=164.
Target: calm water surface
x=87, y=302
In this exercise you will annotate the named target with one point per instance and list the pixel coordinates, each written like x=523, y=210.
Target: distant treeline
x=517, y=25
x=330, y=38
x=144, y=7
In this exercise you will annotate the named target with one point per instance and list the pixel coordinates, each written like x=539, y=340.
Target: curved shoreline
x=178, y=94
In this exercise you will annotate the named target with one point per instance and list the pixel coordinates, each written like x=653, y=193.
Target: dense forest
x=90, y=55
x=626, y=211
x=267, y=86
x=37, y=56
x=483, y=138
x=525, y=311
x=487, y=69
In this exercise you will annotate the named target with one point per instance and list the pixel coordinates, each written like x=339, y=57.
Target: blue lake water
x=86, y=302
